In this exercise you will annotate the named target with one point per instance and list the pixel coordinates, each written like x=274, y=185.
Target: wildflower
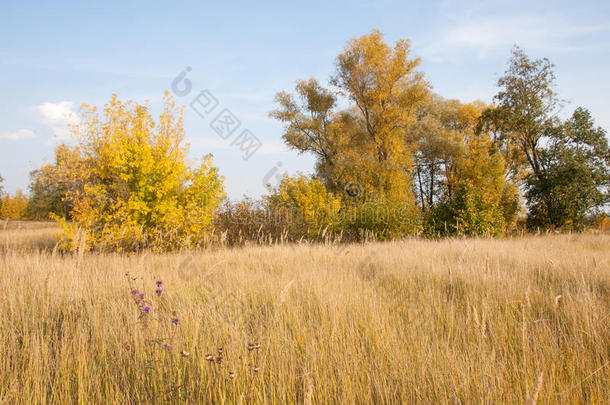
x=176, y=320
x=159, y=283
x=140, y=297
x=134, y=292
x=167, y=346
x=146, y=309
x=159, y=291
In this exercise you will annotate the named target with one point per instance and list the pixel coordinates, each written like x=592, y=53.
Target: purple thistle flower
x=140, y=296
x=134, y=292
x=176, y=320
x=159, y=291
x=159, y=283
x=146, y=309
x=167, y=346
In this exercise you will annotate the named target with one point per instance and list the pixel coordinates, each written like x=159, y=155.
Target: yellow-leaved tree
x=304, y=206
x=132, y=187
x=361, y=150
x=461, y=177
x=13, y=207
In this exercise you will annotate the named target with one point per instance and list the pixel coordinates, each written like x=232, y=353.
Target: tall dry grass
x=27, y=239
x=458, y=321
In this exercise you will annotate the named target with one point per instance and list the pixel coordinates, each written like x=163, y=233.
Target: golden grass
x=521, y=320
x=28, y=239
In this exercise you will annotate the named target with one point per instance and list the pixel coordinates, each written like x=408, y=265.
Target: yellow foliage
x=383, y=84
x=134, y=188
x=13, y=207
x=305, y=202
x=602, y=222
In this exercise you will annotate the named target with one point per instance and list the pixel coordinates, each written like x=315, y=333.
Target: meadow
x=510, y=320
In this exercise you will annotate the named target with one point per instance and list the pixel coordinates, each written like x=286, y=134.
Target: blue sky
x=56, y=55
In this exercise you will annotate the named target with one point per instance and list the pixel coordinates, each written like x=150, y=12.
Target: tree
x=308, y=120
x=49, y=188
x=361, y=146
x=439, y=136
x=575, y=176
x=562, y=166
x=383, y=84
x=312, y=125
x=131, y=185
x=481, y=202
x=459, y=174
x=526, y=104
x=13, y=207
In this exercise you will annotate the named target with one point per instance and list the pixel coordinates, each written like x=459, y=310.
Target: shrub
x=304, y=206
x=135, y=189
x=468, y=213
x=247, y=221
x=381, y=219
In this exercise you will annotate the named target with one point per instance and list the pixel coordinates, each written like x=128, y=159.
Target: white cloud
x=18, y=135
x=59, y=117
x=549, y=32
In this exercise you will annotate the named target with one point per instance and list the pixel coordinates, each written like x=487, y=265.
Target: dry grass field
x=524, y=320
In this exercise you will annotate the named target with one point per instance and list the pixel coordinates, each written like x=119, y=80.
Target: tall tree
x=313, y=125
x=526, y=107
x=363, y=143
x=563, y=166
x=385, y=87
x=460, y=175
x=575, y=179
x=361, y=149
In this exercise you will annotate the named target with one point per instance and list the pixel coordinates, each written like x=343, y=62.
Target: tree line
x=393, y=159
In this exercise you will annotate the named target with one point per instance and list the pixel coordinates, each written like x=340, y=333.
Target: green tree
x=575, y=176
x=49, y=189
x=525, y=110
x=562, y=166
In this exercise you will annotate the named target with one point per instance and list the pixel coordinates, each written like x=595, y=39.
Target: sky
x=235, y=57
